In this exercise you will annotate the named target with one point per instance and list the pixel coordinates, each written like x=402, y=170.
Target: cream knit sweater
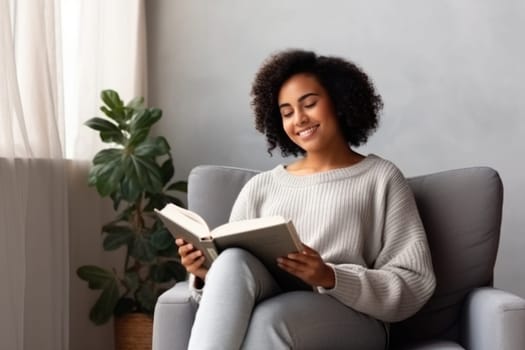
x=363, y=221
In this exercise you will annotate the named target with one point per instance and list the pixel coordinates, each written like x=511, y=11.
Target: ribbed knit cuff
x=347, y=282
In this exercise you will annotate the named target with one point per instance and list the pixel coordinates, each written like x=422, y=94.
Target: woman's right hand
x=191, y=258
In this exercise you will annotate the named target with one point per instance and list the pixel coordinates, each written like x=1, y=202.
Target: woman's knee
x=242, y=270
x=227, y=264
x=237, y=263
x=232, y=255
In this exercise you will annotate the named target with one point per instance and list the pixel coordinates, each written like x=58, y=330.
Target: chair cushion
x=461, y=212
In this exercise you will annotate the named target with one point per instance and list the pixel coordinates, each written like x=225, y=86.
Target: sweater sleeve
x=401, y=279
x=243, y=207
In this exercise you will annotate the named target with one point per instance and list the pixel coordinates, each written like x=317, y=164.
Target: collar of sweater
x=284, y=177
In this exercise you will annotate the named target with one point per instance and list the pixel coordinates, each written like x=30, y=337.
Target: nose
x=301, y=118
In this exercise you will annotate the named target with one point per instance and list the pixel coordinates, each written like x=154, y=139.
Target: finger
x=194, y=255
x=304, y=258
x=188, y=259
x=195, y=265
x=185, y=249
x=292, y=266
x=180, y=242
x=308, y=250
x=309, y=274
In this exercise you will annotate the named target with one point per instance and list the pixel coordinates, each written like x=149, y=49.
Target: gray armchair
x=461, y=212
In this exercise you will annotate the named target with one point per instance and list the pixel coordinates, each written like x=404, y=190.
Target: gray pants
x=243, y=308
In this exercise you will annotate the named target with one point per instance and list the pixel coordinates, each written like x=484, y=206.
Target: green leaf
x=107, y=176
x=93, y=175
x=167, y=170
x=103, y=309
x=142, y=250
x=117, y=115
x=141, y=124
x=111, y=99
x=148, y=173
x=107, y=155
x=109, y=132
x=116, y=197
x=130, y=185
x=131, y=280
x=145, y=119
x=131, y=188
x=113, y=136
x=168, y=271
x=156, y=201
x=156, y=114
x=162, y=145
x=137, y=103
x=124, y=215
x=151, y=148
x=147, y=298
x=161, y=239
x=176, y=270
x=157, y=224
x=175, y=201
x=159, y=274
x=171, y=252
x=137, y=137
x=117, y=236
x=181, y=186
x=147, y=148
x=96, y=277
x=100, y=124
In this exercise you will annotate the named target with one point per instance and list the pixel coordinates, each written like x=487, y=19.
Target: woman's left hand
x=308, y=266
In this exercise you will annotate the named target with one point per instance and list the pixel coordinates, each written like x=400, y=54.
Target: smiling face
x=308, y=115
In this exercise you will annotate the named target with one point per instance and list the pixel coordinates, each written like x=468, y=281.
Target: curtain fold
x=112, y=55
x=33, y=208
x=52, y=72
x=37, y=56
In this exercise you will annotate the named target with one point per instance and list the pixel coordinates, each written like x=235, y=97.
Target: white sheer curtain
x=55, y=58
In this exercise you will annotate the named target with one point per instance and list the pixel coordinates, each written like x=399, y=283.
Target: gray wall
x=448, y=71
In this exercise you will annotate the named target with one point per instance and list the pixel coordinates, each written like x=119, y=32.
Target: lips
x=308, y=131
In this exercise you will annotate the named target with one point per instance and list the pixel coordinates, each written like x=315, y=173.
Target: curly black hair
x=355, y=101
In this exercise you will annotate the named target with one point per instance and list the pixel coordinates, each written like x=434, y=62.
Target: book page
x=247, y=225
x=189, y=220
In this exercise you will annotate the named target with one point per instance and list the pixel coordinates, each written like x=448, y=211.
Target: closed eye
x=286, y=113
x=310, y=105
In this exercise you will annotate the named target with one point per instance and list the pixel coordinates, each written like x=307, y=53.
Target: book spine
x=209, y=250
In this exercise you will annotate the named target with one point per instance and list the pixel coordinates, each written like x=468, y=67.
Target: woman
x=365, y=249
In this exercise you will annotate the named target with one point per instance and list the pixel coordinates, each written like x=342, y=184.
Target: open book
x=266, y=238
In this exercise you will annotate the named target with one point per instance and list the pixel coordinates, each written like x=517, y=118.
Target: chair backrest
x=461, y=212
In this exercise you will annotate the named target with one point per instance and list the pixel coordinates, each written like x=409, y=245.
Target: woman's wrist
x=329, y=280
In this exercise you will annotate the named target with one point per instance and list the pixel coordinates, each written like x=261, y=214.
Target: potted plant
x=135, y=171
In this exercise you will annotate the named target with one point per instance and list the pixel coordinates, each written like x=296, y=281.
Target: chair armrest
x=494, y=319
x=173, y=318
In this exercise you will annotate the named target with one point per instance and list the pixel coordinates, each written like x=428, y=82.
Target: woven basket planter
x=133, y=332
